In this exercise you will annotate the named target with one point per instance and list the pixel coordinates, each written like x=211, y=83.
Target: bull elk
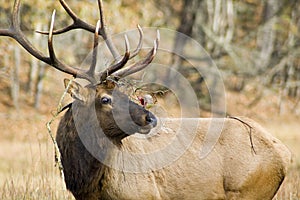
x=103, y=159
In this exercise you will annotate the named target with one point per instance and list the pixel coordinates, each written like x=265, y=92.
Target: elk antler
x=115, y=70
x=138, y=65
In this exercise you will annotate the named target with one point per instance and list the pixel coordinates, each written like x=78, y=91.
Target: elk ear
x=75, y=90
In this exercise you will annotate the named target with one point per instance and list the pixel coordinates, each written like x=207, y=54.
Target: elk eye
x=105, y=100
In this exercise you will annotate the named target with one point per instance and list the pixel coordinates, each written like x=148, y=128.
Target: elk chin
x=146, y=129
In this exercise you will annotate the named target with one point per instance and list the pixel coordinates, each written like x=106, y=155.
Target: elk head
x=114, y=110
x=117, y=115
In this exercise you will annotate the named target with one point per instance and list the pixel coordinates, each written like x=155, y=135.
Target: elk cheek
x=123, y=121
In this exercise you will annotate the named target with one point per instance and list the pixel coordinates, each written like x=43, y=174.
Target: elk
x=103, y=159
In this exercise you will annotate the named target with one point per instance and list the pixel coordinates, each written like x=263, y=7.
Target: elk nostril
x=151, y=119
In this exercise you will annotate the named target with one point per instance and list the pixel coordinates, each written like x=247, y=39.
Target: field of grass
x=289, y=133
x=27, y=167
x=27, y=172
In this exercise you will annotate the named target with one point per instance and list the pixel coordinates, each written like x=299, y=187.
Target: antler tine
x=118, y=65
x=101, y=14
x=127, y=56
x=105, y=36
x=16, y=16
x=59, y=65
x=77, y=22
x=140, y=44
x=139, y=65
x=50, y=38
x=80, y=24
x=16, y=33
x=91, y=71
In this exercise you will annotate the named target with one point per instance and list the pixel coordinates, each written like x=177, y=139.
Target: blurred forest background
x=254, y=43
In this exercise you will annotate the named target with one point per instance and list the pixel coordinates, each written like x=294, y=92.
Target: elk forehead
x=102, y=90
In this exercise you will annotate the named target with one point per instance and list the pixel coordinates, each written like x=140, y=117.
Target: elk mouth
x=145, y=129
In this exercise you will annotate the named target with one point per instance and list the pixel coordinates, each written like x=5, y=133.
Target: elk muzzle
x=144, y=119
x=150, y=121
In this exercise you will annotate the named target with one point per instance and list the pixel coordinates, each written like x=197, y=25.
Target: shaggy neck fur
x=83, y=172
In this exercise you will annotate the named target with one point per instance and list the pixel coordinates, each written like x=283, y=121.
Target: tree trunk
x=39, y=86
x=33, y=72
x=15, y=84
x=187, y=21
x=267, y=34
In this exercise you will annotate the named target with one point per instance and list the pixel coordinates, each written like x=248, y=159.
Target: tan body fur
x=232, y=170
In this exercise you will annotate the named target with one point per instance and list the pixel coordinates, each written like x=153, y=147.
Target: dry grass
x=27, y=172
x=289, y=133
x=290, y=190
